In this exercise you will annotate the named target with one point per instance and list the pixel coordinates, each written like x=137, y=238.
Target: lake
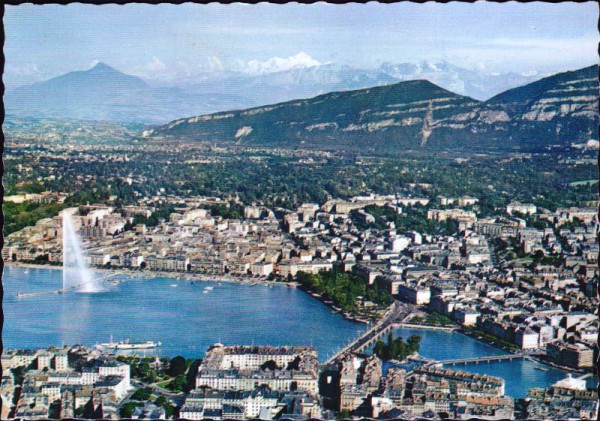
x=175, y=312
x=187, y=319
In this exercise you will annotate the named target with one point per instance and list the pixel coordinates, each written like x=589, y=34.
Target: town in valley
x=299, y=212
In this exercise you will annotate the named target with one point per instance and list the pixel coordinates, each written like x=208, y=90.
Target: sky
x=171, y=43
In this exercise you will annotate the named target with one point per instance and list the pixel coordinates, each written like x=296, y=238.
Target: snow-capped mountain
x=476, y=84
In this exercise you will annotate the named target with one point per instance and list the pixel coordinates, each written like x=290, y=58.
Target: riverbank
x=468, y=332
x=536, y=358
x=543, y=361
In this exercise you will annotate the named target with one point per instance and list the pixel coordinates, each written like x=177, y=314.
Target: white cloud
x=522, y=55
x=278, y=64
x=156, y=65
x=214, y=63
x=25, y=74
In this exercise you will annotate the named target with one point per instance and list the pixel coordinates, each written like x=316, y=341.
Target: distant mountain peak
x=103, y=67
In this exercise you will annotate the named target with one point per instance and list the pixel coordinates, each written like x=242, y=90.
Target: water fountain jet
x=76, y=274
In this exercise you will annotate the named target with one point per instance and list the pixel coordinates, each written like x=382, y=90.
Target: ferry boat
x=127, y=344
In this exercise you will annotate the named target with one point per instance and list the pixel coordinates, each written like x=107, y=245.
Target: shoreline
x=332, y=306
x=251, y=281
x=533, y=358
x=150, y=274
x=198, y=277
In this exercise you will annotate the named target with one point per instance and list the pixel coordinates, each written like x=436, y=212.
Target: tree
x=142, y=394
x=269, y=365
x=397, y=348
x=161, y=401
x=144, y=369
x=177, y=366
x=342, y=415
x=125, y=412
x=178, y=383
x=414, y=343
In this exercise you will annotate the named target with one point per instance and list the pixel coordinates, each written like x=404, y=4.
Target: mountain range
x=560, y=109
x=104, y=93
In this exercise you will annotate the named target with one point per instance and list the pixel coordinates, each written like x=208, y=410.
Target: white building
x=466, y=316
x=522, y=208
x=526, y=338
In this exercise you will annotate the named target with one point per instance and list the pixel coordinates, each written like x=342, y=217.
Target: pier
x=63, y=290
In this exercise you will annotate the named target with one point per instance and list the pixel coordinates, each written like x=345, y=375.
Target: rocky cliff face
x=562, y=108
x=569, y=94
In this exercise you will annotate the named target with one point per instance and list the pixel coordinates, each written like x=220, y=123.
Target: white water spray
x=76, y=274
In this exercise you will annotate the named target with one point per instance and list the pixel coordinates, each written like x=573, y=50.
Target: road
x=399, y=312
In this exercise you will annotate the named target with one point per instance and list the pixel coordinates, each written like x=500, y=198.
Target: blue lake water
x=187, y=321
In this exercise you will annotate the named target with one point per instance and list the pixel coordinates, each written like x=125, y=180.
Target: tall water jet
x=76, y=274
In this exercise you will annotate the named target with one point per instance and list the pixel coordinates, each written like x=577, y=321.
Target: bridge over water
x=484, y=359
x=395, y=312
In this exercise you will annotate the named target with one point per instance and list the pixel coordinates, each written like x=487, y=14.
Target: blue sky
x=171, y=42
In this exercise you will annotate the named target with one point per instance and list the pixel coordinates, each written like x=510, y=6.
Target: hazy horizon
x=167, y=43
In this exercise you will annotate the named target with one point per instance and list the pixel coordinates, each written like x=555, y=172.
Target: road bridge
x=394, y=313
x=485, y=359
x=430, y=327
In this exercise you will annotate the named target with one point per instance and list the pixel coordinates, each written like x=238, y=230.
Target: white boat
x=209, y=288
x=205, y=292
x=127, y=344
x=137, y=345
x=174, y=285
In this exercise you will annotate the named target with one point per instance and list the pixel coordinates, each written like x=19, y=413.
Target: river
x=519, y=375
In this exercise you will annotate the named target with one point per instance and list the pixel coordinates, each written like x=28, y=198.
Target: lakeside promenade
x=149, y=274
